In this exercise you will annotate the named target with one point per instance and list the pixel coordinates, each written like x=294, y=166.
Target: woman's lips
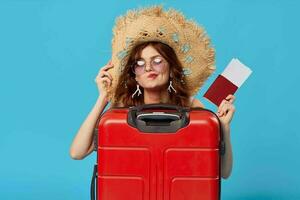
x=152, y=76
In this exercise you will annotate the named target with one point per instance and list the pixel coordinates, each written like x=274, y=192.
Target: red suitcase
x=158, y=152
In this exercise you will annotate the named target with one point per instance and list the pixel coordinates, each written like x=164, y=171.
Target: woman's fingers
x=107, y=80
x=230, y=98
x=103, y=80
x=106, y=67
x=220, y=109
x=105, y=74
x=224, y=107
x=230, y=111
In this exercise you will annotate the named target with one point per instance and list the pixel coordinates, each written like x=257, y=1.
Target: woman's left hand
x=226, y=110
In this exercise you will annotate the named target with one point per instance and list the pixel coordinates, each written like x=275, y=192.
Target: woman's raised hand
x=104, y=79
x=226, y=110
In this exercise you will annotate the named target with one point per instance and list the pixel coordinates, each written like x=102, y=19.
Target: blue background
x=51, y=52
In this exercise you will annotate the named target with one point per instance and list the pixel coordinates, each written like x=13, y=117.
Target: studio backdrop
x=51, y=52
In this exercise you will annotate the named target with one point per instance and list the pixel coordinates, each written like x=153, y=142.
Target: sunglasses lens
x=157, y=64
x=138, y=69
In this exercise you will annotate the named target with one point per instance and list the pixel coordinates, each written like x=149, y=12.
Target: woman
x=157, y=63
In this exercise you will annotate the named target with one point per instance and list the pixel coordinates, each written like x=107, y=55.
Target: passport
x=228, y=82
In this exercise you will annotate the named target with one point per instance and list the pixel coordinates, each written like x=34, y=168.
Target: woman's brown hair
x=127, y=82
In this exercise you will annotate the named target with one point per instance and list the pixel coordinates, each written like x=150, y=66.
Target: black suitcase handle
x=93, y=184
x=158, y=122
x=159, y=106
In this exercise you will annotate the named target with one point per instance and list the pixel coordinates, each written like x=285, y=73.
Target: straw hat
x=186, y=37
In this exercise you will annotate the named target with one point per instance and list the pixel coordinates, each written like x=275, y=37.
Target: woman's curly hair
x=128, y=83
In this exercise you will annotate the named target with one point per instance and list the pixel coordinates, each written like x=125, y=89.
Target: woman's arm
x=83, y=142
x=225, y=115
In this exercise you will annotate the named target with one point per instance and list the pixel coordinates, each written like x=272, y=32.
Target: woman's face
x=151, y=69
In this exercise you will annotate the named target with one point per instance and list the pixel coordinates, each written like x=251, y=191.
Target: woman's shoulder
x=196, y=102
x=117, y=104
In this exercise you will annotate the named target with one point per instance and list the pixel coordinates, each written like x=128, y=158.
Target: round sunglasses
x=157, y=63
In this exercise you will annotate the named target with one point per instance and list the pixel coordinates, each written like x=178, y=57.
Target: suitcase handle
x=158, y=115
x=158, y=122
x=93, y=184
x=160, y=106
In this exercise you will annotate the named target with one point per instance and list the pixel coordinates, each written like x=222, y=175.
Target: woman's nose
x=148, y=68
